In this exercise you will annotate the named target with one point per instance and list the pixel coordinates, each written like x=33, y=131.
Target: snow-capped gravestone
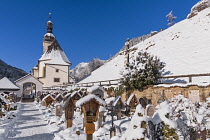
x=90, y=106
x=101, y=116
x=48, y=99
x=143, y=102
x=69, y=111
x=43, y=103
x=97, y=90
x=58, y=110
x=59, y=98
x=194, y=96
x=75, y=97
x=150, y=110
x=132, y=102
x=118, y=105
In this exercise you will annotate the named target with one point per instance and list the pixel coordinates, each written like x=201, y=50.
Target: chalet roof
x=5, y=83
x=55, y=55
x=89, y=97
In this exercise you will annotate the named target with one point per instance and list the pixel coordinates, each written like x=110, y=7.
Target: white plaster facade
x=28, y=79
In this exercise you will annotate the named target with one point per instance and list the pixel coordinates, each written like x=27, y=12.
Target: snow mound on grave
x=93, y=88
x=160, y=115
x=87, y=98
x=134, y=130
x=201, y=5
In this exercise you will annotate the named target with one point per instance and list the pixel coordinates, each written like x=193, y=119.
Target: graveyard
x=156, y=87
x=93, y=115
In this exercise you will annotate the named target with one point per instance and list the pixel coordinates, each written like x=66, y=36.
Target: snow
x=49, y=34
x=109, y=100
x=3, y=99
x=130, y=98
x=180, y=47
x=134, y=130
x=87, y=98
x=93, y=88
x=55, y=57
x=5, y=83
x=74, y=93
x=160, y=115
x=116, y=100
x=27, y=123
x=108, y=71
x=49, y=95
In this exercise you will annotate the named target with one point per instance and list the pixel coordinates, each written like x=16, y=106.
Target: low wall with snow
x=193, y=92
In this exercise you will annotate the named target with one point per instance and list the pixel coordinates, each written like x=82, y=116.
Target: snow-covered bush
x=137, y=129
x=165, y=127
x=144, y=70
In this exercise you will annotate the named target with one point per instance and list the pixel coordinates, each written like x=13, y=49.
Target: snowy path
x=29, y=125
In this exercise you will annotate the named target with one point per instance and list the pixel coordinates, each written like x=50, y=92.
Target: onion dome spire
x=49, y=25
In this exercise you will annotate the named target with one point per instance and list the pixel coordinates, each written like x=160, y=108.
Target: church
x=53, y=66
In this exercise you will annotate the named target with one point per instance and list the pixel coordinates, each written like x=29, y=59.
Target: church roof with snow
x=5, y=83
x=55, y=55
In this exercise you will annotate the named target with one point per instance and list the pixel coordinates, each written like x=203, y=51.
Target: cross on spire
x=50, y=16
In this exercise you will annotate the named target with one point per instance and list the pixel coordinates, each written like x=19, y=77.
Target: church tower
x=53, y=66
x=48, y=37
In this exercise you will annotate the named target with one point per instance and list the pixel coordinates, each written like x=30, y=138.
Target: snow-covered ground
x=184, y=48
x=26, y=123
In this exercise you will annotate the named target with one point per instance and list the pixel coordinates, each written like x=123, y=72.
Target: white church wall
x=62, y=74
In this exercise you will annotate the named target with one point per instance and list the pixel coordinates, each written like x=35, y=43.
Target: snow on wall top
x=5, y=83
x=184, y=48
x=89, y=97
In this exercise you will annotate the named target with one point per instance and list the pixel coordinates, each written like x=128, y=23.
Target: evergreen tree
x=144, y=70
x=170, y=19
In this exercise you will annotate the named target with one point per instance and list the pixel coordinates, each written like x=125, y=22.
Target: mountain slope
x=82, y=70
x=10, y=72
x=184, y=48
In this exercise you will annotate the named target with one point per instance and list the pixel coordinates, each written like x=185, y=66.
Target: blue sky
x=85, y=29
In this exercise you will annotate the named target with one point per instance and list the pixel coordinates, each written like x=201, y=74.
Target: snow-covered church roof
x=5, y=83
x=55, y=55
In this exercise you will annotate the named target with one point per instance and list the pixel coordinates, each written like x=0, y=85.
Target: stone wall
x=192, y=92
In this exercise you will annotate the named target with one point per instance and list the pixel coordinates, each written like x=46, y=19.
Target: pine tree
x=144, y=70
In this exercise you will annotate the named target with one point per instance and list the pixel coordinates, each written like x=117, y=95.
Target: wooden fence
x=116, y=82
